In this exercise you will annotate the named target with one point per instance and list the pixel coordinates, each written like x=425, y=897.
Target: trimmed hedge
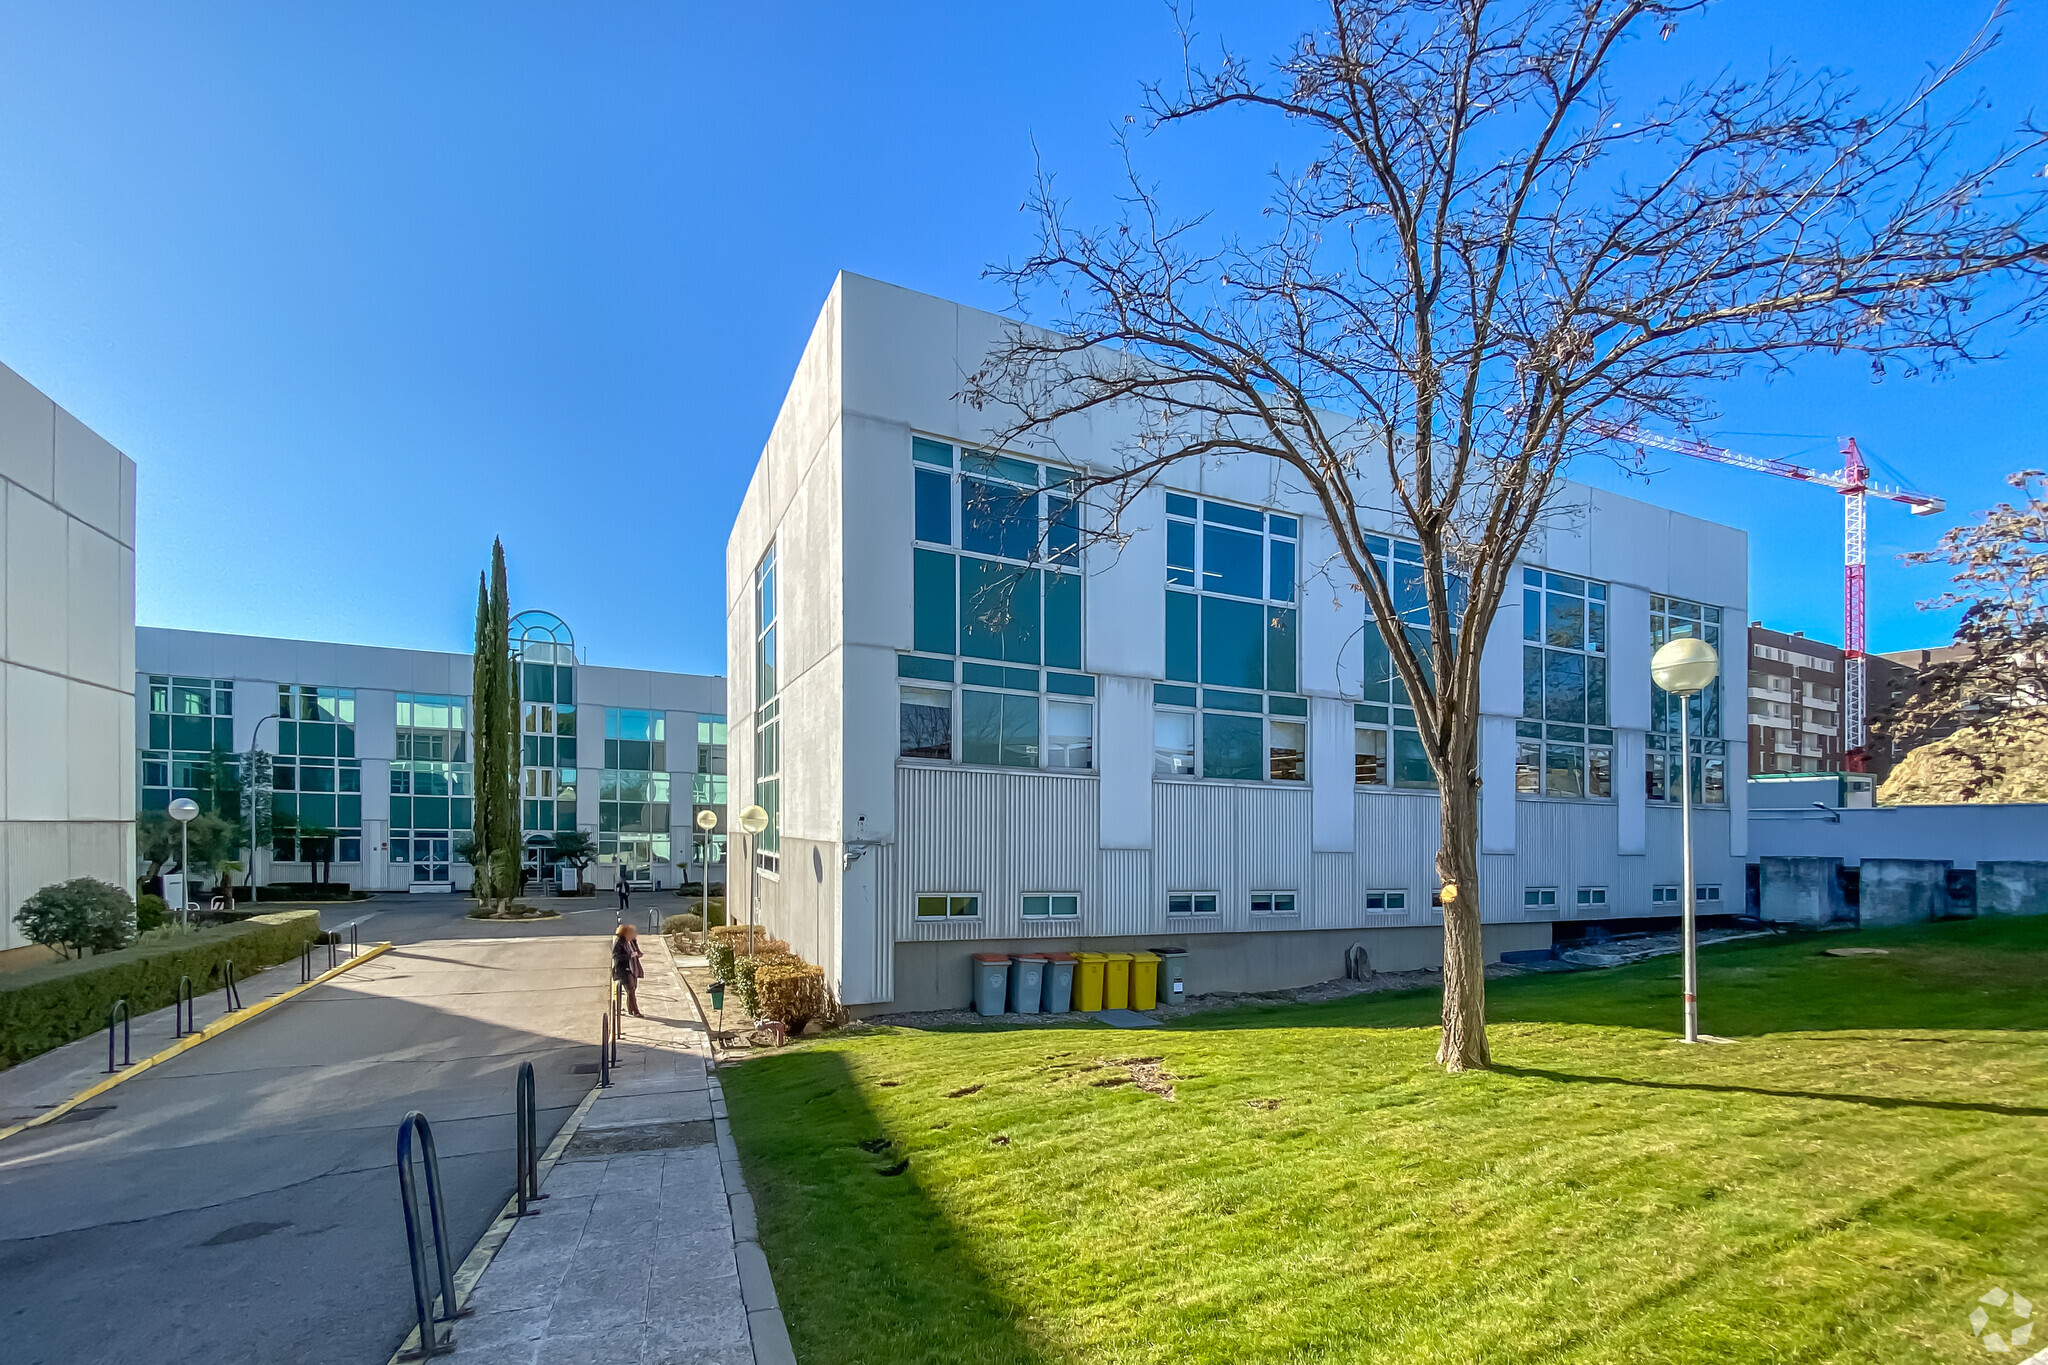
x=793, y=992
x=46, y=1007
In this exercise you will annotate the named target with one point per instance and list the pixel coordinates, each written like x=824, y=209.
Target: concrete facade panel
x=28, y=436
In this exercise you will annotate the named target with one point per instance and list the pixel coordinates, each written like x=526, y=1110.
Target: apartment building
x=1795, y=704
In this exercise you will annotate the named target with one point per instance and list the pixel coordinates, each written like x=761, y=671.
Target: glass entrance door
x=429, y=855
x=539, y=861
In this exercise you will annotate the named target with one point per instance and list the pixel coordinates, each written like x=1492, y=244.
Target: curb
x=186, y=1044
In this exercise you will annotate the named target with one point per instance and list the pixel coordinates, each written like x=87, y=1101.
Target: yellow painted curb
x=190, y=1041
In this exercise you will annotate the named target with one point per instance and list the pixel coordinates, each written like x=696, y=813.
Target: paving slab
x=644, y=1250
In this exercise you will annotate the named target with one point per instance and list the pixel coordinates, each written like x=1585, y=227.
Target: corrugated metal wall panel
x=1333, y=898
x=1233, y=841
x=1395, y=838
x=1128, y=904
x=995, y=835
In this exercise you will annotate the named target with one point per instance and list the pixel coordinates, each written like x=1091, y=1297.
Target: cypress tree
x=482, y=684
x=505, y=754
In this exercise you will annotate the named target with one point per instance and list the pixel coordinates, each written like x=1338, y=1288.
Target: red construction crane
x=1852, y=481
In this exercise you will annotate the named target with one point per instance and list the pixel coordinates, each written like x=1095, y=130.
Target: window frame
x=1273, y=899
x=1591, y=898
x=1387, y=896
x=1194, y=900
x=951, y=912
x=1546, y=748
x=1539, y=898
x=1051, y=913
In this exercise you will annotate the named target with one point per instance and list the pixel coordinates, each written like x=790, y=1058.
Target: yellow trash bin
x=1088, y=981
x=1116, y=981
x=1144, y=981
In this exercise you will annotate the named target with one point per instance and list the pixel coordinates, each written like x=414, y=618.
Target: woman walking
x=626, y=968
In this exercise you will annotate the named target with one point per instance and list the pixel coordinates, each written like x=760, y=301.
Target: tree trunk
x=1463, y=1045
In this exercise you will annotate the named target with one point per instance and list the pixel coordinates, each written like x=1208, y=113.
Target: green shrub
x=681, y=924
x=46, y=1007
x=718, y=953
x=747, y=977
x=150, y=913
x=78, y=915
x=793, y=992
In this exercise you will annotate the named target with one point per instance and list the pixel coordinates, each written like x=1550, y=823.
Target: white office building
x=67, y=652
x=371, y=775
x=972, y=736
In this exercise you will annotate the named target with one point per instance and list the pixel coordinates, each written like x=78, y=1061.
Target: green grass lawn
x=1839, y=1183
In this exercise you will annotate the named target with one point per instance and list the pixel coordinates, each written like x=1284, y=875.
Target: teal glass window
x=988, y=621
x=999, y=611
x=998, y=729
x=1673, y=618
x=1231, y=562
x=932, y=602
x=1225, y=514
x=1282, y=653
x=1180, y=553
x=1063, y=620
x=997, y=519
x=1282, y=578
x=934, y=510
x=1182, y=635
x=1233, y=747
x=1233, y=643
x=1564, y=683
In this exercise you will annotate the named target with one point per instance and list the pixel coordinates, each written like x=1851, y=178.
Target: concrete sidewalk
x=644, y=1249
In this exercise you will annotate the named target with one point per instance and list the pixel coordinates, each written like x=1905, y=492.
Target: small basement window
x=1382, y=901
x=1051, y=906
x=1191, y=903
x=1663, y=895
x=1592, y=897
x=1534, y=896
x=1272, y=902
x=941, y=907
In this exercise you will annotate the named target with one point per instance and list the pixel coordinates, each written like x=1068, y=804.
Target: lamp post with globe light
x=183, y=810
x=707, y=820
x=752, y=821
x=1682, y=668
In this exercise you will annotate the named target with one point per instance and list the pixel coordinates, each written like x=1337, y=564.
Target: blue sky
x=359, y=286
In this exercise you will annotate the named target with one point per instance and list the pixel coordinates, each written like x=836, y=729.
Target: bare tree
x=1981, y=707
x=1487, y=264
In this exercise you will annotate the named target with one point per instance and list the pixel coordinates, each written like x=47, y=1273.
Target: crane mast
x=1852, y=481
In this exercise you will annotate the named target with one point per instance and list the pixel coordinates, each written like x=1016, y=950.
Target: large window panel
x=981, y=728
x=1063, y=620
x=1232, y=747
x=1282, y=578
x=1180, y=553
x=1020, y=731
x=997, y=519
x=1182, y=635
x=932, y=590
x=1233, y=643
x=1411, y=763
x=1282, y=650
x=1173, y=743
x=1069, y=735
x=1231, y=562
x=999, y=611
x=1564, y=687
x=934, y=507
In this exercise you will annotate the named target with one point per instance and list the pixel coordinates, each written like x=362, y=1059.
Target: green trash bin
x=1172, y=975
x=991, y=982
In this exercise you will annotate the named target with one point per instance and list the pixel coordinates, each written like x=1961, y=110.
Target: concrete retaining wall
x=1902, y=891
x=1801, y=890
x=2012, y=888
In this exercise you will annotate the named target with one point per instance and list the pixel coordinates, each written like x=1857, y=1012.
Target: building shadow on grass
x=867, y=1267
x=1873, y=1101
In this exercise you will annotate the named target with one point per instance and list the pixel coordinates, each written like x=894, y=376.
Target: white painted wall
x=67, y=644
